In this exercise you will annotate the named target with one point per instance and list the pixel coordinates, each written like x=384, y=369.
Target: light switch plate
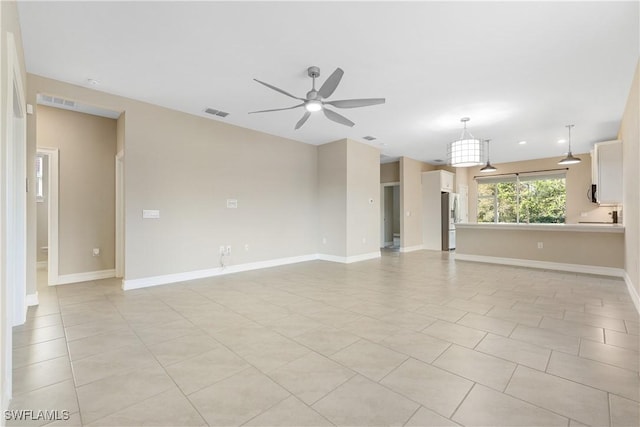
x=150, y=213
x=232, y=203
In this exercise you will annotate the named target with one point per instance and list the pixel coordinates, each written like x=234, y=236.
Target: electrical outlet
x=364, y=240
x=540, y=245
x=221, y=250
x=228, y=250
x=324, y=240
x=246, y=247
x=96, y=251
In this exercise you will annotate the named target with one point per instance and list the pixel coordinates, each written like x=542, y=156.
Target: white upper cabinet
x=446, y=181
x=606, y=172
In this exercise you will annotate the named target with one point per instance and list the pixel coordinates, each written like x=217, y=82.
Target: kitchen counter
x=590, y=228
x=585, y=248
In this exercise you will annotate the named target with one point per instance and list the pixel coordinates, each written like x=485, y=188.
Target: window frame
x=519, y=178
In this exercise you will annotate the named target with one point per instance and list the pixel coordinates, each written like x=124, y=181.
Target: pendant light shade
x=488, y=167
x=570, y=159
x=466, y=151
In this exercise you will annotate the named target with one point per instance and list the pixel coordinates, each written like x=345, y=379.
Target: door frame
x=119, y=215
x=53, y=202
x=13, y=226
x=382, y=187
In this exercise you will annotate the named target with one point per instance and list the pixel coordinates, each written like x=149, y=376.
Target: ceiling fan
x=315, y=100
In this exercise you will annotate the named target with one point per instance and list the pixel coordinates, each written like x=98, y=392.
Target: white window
x=523, y=198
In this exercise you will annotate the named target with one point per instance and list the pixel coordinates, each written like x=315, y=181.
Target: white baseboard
x=211, y=272
x=31, y=299
x=633, y=292
x=349, y=259
x=545, y=265
x=41, y=265
x=412, y=248
x=85, y=277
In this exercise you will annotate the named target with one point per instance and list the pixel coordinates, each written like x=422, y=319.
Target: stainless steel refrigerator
x=450, y=208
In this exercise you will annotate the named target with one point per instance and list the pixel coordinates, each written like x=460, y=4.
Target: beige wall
x=332, y=198
x=187, y=167
x=42, y=228
x=363, y=199
x=348, y=178
x=578, y=183
x=87, y=147
x=630, y=136
x=410, y=202
x=390, y=172
x=570, y=247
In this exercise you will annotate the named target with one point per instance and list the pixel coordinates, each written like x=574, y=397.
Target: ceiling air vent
x=215, y=112
x=58, y=101
x=369, y=137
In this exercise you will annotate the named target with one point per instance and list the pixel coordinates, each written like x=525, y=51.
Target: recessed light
x=522, y=142
x=562, y=141
x=93, y=82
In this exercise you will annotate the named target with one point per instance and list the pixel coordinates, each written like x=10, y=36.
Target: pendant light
x=488, y=167
x=466, y=151
x=570, y=159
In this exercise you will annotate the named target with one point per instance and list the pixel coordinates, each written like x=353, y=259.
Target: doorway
x=47, y=211
x=390, y=214
x=78, y=143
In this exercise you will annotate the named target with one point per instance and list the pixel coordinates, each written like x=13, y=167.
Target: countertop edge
x=588, y=228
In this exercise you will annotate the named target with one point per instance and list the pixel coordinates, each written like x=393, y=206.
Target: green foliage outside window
x=523, y=201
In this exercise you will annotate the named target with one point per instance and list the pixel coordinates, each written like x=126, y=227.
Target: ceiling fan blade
x=279, y=90
x=332, y=115
x=276, y=109
x=331, y=83
x=302, y=120
x=355, y=103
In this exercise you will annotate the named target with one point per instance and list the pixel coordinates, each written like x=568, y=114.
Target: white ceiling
x=519, y=70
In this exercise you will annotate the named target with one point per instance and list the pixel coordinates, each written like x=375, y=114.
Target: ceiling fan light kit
x=466, y=151
x=570, y=159
x=315, y=99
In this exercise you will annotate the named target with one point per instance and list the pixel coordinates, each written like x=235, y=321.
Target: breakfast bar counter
x=585, y=248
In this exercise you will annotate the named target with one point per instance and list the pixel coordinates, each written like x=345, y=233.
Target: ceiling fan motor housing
x=313, y=71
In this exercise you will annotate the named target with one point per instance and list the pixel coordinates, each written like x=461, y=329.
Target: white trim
x=53, y=213
x=129, y=284
x=412, y=248
x=633, y=293
x=545, y=265
x=13, y=215
x=42, y=265
x=16, y=169
x=85, y=277
x=350, y=259
x=32, y=299
x=119, y=243
x=363, y=257
x=592, y=228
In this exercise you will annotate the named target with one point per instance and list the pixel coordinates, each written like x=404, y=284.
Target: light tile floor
x=409, y=339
